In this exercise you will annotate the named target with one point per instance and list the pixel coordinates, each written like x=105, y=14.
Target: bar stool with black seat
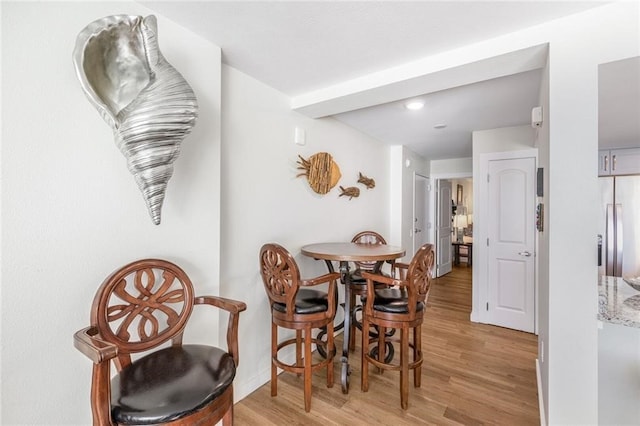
x=296, y=307
x=400, y=307
x=358, y=282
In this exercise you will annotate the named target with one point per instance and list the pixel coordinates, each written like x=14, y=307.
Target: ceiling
x=303, y=47
x=491, y=104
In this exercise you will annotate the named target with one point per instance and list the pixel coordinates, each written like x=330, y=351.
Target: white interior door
x=511, y=232
x=420, y=209
x=443, y=228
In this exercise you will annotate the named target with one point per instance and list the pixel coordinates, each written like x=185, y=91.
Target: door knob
x=524, y=253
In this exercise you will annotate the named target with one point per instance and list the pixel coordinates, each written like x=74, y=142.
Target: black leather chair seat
x=391, y=294
x=307, y=302
x=393, y=300
x=169, y=384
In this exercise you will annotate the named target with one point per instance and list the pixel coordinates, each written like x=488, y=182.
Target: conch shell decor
x=148, y=104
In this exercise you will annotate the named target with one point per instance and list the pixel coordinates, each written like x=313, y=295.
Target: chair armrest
x=332, y=294
x=230, y=305
x=321, y=279
x=100, y=352
x=234, y=308
x=95, y=349
x=402, y=269
x=377, y=278
x=383, y=279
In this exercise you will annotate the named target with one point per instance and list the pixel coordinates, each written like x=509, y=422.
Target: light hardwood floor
x=473, y=374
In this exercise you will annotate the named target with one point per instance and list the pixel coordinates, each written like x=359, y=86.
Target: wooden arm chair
x=138, y=308
x=294, y=306
x=401, y=307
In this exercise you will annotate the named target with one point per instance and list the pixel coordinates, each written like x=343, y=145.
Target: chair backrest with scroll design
x=280, y=276
x=418, y=275
x=368, y=237
x=412, y=279
x=141, y=306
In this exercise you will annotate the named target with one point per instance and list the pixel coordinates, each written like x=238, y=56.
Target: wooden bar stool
x=295, y=307
x=402, y=308
x=358, y=283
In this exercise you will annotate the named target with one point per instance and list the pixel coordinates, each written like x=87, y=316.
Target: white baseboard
x=288, y=355
x=473, y=317
x=543, y=420
x=242, y=389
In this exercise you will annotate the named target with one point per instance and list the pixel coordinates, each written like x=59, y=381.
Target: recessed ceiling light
x=414, y=105
x=440, y=126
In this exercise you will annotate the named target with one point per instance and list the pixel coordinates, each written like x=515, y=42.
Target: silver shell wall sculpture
x=147, y=102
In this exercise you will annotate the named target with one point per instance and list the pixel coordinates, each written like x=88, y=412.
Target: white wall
x=452, y=167
x=574, y=54
x=570, y=388
x=500, y=140
x=263, y=201
x=405, y=164
x=72, y=213
x=542, y=255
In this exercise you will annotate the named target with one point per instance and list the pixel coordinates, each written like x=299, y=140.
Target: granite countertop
x=618, y=302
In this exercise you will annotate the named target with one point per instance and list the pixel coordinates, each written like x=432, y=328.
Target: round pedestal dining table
x=344, y=253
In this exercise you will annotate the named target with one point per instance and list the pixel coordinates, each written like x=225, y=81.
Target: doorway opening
x=453, y=216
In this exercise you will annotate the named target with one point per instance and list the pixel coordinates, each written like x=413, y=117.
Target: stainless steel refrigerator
x=619, y=233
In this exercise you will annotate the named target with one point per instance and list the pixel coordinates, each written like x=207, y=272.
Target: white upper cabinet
x=623, y=161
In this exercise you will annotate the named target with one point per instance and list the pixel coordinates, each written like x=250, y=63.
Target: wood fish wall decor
x=146, y=101
x=350, y=192
x=321, y=171
x=366, y=181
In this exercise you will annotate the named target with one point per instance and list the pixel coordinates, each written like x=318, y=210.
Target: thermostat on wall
x=300, y=137
x=536, y=117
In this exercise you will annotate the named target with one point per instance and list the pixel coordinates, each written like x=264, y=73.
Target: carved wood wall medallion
x=321, y=171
